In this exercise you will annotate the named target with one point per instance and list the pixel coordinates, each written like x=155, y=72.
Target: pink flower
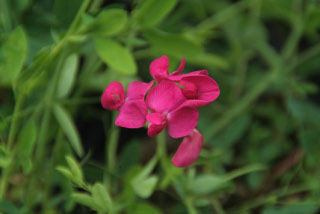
x=198, y=88
x=132, y=108
x=167, y=104
x=188, y=150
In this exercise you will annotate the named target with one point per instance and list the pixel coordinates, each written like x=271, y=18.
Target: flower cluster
x=171, y=103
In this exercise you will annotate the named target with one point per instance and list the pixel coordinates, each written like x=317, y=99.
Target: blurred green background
x=60, y=152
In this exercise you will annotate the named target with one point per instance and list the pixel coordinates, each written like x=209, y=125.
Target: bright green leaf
x=85, y=199
x=153, y=12
x=65, y=171
x=75, y=170
x=115, y=55
x=109, y=22
x=205, y=184
x=15, y=52
x=68, y=75
x=145, y=187
x=101, y=197
x=68, y=128
x=139, y=208
x=173, y=44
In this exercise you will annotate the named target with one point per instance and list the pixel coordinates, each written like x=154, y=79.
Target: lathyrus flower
x=132, y=107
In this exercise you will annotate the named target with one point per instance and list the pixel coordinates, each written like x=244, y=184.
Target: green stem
x=217, y=206
x=161, y=148
x=190, y=206
x=111, y=149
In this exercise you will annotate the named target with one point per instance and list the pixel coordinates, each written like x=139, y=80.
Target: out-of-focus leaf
x=152, y=12
x=109, y=22
x=297, y=208
x=278, y=9
x=115, y=55
x=75, y=170
x=8, y=207
x=26, y=142
x=67, y=76
x=68, y=128
x=205, y=184
x=304, y=111
x=173, y=44
x=15, y=52
x=101, y=197
x=65, y=171
x=139, y=208
x=85, y=199
x=145, y=187
x=310, y=141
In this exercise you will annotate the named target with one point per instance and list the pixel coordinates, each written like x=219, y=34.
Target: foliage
x=61, y=153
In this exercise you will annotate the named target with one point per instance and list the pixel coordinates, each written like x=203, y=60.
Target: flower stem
x=161, y=148
x=111, y=149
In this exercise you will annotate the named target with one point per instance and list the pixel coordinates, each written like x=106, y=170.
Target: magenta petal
x=113, y=97
x=164, y=97
x=194, y=73
x=132, y=114
x=156, y=118
x=181, y=67
x=208, y=90
x=188, y=150
x=137, y=90
x=154, y=129
x=182, y=121
x=159, y=68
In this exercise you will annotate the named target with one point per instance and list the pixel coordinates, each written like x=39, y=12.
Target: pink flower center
x=189, y=89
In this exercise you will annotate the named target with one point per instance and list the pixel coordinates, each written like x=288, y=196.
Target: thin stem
x=161, y=148
x=190, y=206
x=217, y=206
x=111, y=149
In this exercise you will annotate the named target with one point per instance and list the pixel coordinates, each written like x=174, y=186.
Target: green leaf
x=15, y=52
x=101, y=197
x=173, y=44
x=85, y=199
x=26, y=143
x=75, y=170
x=139, y=208
x=153, y=12
x=115, y=55
x=65, y=171
x=109, y=22
x=68, y=128
x=145, y=187
x=67, y=76
x=296, y=208
x=205, y=184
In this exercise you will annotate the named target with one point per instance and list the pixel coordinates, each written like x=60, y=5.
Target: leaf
x=15, y=52
x=65, y=171
x=172, y=44
x=101, y=197
x=139, y=208
x=26, y=143
x=115, y=55
x=297, y=208
x=84, y=199
x=67, y=76
x=144, y=187
x=75, y=170
x=109, y=22
x=205, y=184
x=153, y=12
x=68, y=128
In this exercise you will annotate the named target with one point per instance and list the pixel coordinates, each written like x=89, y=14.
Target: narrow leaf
x=75, y=169
x=109, y=22
x=84, y=199
x=115, y=55
x=68, y=75
x=15, y=52
x=153, y=12
x=68, y=128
